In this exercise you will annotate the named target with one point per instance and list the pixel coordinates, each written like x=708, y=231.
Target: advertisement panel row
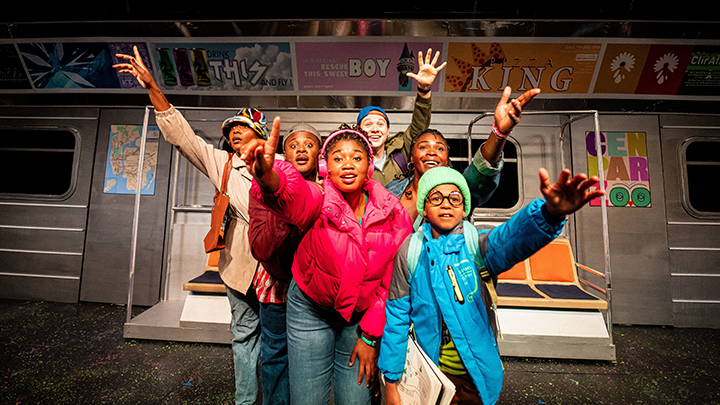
x=362, y=66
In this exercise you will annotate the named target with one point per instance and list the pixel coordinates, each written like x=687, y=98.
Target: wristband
x=370, y=343
x=498, y=133
x=423, y=91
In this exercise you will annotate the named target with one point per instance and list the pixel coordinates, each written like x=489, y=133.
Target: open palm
x=567, y=195
x=136, y=67
x=427, y=72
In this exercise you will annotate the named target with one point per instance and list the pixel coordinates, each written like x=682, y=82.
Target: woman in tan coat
x=237, y=265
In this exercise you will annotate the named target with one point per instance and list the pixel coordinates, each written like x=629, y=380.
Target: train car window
x=507, y=194
x=702, y=163
x=37, y=163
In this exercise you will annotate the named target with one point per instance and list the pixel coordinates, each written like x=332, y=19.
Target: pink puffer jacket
x=340, y=263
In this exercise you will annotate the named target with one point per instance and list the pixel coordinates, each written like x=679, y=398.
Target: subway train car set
x=72, y=228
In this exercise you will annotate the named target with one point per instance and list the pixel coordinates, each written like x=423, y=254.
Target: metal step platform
x=197, y=318
x=559, y=334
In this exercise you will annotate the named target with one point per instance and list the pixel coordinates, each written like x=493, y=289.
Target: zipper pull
x=456, y=288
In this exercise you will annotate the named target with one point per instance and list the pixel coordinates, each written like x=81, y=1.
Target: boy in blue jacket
x=441, y=292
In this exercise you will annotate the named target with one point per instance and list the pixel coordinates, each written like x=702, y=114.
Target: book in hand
x=422, y=382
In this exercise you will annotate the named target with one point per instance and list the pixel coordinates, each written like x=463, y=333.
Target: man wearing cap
x=237, y=268
x=392, y=155
x=273, y=243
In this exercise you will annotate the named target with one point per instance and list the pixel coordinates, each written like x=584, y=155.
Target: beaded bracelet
x=498, y=133
x=370, y=343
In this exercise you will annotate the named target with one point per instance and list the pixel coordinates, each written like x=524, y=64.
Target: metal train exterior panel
x=664, y=255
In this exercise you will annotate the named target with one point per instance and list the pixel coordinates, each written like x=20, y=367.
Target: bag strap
x=417, y=225
x=473, y=246
x=226, y=174
x=401, y=161
x=413, y=255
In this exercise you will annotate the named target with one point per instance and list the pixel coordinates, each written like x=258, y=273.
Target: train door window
x=37, y=163
x=507, y=194
x=702, y=169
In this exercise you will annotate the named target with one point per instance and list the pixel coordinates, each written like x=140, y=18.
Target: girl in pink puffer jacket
x=342, y=268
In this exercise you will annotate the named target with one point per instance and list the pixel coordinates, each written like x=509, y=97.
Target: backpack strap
x=414, y=249
x=473, y=246
x=401, y=161
x=417, y=225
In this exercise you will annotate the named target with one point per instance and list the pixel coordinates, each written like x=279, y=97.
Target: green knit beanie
x=442, y=175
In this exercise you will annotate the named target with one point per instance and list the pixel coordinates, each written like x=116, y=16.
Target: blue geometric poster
x=69, y=65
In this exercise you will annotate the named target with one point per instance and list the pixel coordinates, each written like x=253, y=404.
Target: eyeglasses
x=455, y=198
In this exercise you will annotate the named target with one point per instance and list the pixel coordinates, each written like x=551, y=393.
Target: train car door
x=636, y=215
x=109, y=229
x=691, y=156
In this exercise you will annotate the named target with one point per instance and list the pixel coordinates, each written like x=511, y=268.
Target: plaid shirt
x=269, y=290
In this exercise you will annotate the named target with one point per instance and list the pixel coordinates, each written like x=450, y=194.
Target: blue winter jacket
x=426, y=297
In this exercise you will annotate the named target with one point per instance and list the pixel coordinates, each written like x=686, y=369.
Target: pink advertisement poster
x=361, y=66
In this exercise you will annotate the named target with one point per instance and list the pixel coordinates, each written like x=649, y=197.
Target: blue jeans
x=320, y=343
x=274, y=357
x=245, y=326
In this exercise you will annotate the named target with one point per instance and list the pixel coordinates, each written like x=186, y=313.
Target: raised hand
x=507, y=115
x=427, y=70
x=567, y=195
x=259, y=156
x=136, y=67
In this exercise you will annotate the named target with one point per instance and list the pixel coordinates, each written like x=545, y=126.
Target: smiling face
x=348, y=166
x=429, y=151
x=444, y=217
x=377, y=129
x=301, y=150
x=239, y=135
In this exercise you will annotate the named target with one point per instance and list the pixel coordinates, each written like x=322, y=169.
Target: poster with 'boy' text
x=361, y=66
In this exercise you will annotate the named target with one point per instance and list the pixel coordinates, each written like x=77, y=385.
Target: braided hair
x=349, y=136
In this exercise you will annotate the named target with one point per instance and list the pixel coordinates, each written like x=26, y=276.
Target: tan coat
x=237, y=265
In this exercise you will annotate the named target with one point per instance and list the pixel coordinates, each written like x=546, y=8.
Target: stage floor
x=54, y=353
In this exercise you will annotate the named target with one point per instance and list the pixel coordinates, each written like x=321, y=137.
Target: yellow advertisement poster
x=621, y=68
x=556, y=68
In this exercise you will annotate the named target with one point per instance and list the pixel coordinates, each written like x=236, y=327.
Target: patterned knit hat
x=251, y=117
x=366, y=111
x=442, y=175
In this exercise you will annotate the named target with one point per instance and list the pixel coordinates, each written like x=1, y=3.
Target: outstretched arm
x=507, y=115
x=567, y=195
x=137, y=68
x=426, y=73
x=259, y=156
